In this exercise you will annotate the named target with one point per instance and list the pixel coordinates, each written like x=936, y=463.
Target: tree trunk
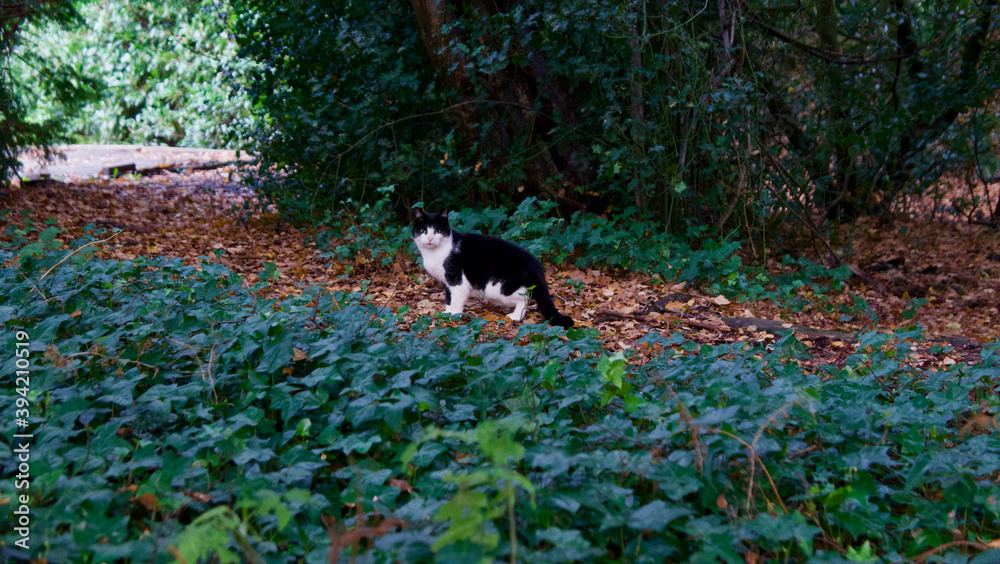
x=842, y=193
x=505, y=102
x=638, y=129
x=923, y=132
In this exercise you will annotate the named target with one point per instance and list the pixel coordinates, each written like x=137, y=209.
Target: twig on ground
x=646, y=319
x=65, y=258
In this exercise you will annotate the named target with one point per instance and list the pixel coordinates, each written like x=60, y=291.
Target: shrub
x=162, y=73
x=738, y=119
x=17, y=131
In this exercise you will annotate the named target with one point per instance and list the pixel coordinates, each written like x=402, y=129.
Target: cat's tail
x=548, y=309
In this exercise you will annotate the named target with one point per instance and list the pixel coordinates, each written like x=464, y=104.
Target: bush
x=729, y=119
x=162, y=73
x=17, y=131
x=479, y=112
x=329, y=83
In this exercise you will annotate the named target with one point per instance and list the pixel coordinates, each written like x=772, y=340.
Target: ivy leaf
x=303, y=426
x=716, y=415
x=48, y=235
x=355, y=442
x=612, y=368
x=793, y=526
x=277, y=353
x=567, y=545
x=36, y=249
x=656, y=515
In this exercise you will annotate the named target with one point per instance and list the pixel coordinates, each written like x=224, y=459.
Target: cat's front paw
x=515, y=316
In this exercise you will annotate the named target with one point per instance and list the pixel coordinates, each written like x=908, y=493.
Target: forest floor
x=953, y=265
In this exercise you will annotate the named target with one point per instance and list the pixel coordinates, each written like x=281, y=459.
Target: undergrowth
x=628, y=242
x=177, y=416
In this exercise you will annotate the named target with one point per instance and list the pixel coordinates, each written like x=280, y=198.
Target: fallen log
x=647, y=319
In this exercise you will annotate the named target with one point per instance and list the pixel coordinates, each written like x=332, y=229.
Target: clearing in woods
x=194, y=205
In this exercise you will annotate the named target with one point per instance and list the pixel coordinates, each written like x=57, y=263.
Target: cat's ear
x=418, y=213
x=443, y=215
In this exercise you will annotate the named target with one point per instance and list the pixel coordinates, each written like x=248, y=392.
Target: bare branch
x=826, y=56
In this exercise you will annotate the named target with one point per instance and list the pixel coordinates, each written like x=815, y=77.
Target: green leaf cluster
x=145, y=73
x=17, y=130
x=741, y=118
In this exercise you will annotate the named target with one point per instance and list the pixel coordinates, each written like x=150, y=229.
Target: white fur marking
x=434, y=249
x=493, y=293
x=459, y=295
x=519, y=299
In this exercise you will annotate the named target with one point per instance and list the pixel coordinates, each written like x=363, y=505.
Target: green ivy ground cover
x=178, y=417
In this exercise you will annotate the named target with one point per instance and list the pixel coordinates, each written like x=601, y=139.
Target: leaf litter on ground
x=202, y=214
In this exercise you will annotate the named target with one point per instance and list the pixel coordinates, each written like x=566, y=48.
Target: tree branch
x=826, y=56
x=65, y=258
x=805, y=220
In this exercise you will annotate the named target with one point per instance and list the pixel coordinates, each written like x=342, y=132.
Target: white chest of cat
x=434, y=259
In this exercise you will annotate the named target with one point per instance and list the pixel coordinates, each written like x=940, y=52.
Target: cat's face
x=430, y=229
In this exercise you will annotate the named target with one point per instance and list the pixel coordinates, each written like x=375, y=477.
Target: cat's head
x=430, y=229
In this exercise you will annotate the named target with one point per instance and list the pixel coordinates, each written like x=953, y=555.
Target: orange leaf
x=198, y=496
x=400, y=485
x=721, y=502
x=148, y=500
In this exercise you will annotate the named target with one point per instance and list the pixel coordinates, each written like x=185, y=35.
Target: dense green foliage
x=735, y=114
x=172, y=407
x=179, y=416
x=159, y=73
x=330, y=76
x=16, y=130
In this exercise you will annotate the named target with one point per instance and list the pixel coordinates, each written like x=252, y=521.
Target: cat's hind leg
x=519, y=300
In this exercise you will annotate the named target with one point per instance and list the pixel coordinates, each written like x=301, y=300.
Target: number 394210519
x=22, y=381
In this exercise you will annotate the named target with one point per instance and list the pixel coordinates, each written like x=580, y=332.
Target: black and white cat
x=470, y=264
